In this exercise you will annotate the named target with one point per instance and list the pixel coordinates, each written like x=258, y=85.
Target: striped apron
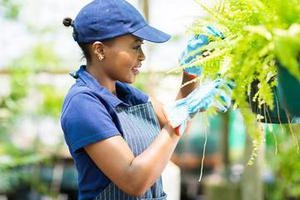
x=140, y=127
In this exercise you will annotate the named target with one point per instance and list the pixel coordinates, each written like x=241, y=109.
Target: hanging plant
x=262, y=37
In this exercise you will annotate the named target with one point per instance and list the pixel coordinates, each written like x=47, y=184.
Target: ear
x=98, y=49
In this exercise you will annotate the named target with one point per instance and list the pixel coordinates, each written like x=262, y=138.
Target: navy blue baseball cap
x=106, y=19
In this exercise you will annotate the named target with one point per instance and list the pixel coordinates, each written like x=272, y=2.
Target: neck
x=104, y=80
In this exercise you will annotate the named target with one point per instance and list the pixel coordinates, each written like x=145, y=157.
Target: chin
x=130, y=81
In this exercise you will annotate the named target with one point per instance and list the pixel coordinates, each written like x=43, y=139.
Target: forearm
x=133, y=174
x=148, y=166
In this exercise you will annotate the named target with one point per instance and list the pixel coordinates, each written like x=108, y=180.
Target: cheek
x=124, y=59
x=120, y=65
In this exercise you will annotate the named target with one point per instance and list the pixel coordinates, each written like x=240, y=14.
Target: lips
x=135, y=71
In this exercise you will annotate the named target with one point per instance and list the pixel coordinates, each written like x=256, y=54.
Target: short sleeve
x=85, y=120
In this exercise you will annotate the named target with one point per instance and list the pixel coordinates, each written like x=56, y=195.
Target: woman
x=112, y=129
x=119, y=139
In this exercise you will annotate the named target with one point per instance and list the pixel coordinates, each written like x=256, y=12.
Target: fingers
x=215, y=93
x=194, y=44
x=222, y=101
x=213, y=31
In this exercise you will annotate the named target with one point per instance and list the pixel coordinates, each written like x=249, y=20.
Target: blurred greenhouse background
x=37, y=54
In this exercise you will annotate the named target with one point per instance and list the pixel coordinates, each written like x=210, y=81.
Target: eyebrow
x=139, y=40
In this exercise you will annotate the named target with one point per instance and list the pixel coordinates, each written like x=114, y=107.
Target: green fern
x=257, y=33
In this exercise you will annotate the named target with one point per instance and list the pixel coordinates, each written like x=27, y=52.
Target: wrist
x=171, y=131
x=189, y=76
x=193, y=71
x=188, y=84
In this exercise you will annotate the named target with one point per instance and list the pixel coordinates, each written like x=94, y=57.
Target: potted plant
x=261, y=48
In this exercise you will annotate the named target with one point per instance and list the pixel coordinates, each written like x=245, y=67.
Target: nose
x=141, y=55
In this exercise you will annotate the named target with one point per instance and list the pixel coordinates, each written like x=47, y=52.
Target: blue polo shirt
x=88, y=116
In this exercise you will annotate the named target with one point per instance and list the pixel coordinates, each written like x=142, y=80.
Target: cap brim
x=152, y=34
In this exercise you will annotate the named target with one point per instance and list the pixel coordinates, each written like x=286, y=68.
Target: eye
x=137, y=47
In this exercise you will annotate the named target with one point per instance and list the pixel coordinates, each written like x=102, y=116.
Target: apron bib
x=140, y=127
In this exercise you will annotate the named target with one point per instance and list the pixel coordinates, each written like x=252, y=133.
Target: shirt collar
x=93, y=84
